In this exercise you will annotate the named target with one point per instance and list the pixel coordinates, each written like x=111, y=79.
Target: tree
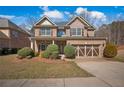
x=29, y=22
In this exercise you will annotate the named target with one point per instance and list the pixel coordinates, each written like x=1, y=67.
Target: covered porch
x=41, y=44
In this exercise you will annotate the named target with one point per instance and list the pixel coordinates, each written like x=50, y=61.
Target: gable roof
x=6, y=23
x=45, y=17
x=81, y=19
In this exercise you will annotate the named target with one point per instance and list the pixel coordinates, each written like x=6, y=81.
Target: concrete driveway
x=110, y=72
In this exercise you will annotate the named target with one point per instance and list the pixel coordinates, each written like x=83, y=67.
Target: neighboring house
x=77, y=32
x=12, y=36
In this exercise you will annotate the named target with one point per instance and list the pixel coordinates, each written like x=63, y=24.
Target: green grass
x=10, y=69
x=119, y=58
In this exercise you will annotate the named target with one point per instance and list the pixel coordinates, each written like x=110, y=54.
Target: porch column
x=32, y=47
x=92, y=50
x=78, y=51
x=53, y=42
x=85, y=51
x=100, y=51
x=36, y=46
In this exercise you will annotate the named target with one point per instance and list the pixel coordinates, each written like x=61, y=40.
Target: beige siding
x=85, y=32
x=86, y=42
x=5, y=31
x=45, y=22
x=37, y=32
x=54, y=32
x=78, y=24
x=90, y=33
x=67, y=32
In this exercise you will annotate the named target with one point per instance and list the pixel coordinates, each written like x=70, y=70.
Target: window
x=45, y=32
x=60, y=33
x=76, y=32
x=15, y=33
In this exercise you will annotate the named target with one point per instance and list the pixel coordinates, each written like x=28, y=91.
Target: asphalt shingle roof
x=5, y=23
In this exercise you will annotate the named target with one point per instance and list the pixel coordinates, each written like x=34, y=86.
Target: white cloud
x=54, y=14
x=44, y=8
x=7, y=16
x=67, y=13
x=92, y=14
x=119, y=17
x=98, y=15
x=81, y=10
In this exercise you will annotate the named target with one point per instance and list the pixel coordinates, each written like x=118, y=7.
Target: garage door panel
x=81, y=52
x=96, y=52
x=87, y=50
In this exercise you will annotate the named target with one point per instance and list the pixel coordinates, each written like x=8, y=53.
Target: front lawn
x=12, y=68
x=119, y=58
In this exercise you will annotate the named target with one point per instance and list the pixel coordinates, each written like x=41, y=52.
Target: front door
x=44, y=44
x=61, y=45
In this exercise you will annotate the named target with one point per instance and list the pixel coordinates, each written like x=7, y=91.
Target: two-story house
x=77, y=32
x=12, y=36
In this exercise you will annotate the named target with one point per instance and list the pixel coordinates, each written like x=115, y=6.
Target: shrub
x=54, y=55
x=110, y=51
x=45, y=54
x=51, y=48
x=24, y=52
x=69, y=51
x=52, y=51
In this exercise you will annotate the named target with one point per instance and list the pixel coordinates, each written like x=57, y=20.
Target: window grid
x=45, y=32
x=76, y=32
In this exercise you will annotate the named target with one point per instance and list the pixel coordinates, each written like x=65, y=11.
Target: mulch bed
x=39, y=59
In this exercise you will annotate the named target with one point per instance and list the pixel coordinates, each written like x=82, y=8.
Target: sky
x=101, y=14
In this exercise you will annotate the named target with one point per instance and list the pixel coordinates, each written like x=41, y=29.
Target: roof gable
x=82, y=20
x=45, y=21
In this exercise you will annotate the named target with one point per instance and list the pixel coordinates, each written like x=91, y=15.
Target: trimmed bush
x=52, y=47
x=69, y=51
x=110, y=51
x=54, y=55
x=45, y=54
x=24, y=52
x=52, y=51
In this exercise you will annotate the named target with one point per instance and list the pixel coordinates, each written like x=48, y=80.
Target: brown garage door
x=87, y=50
